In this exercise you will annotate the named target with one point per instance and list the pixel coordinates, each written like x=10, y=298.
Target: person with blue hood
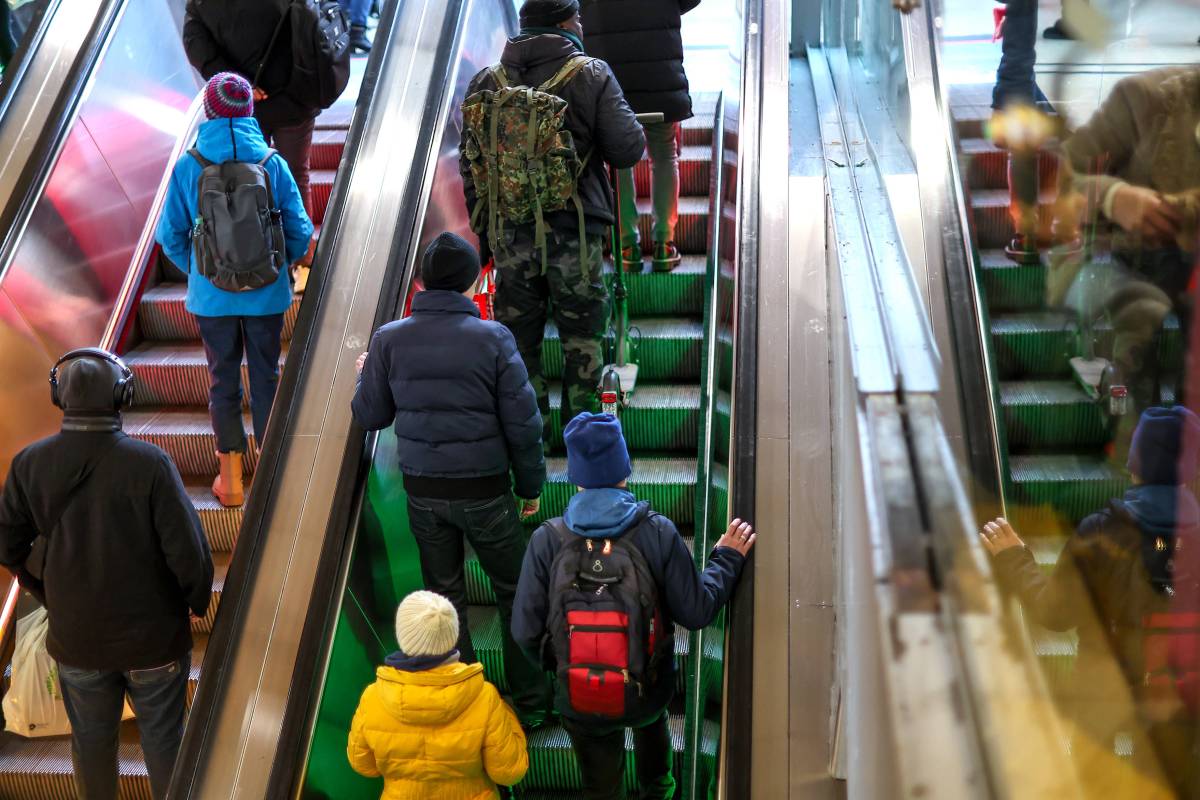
x=602, y=511
x=1125, y=579
x=239, y=324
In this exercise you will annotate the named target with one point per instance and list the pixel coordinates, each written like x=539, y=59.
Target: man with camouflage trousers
x=568, y=282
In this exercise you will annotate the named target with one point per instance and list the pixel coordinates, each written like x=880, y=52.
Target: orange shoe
x=228, y=487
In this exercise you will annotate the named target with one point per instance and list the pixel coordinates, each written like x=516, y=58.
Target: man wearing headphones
x=126, y=560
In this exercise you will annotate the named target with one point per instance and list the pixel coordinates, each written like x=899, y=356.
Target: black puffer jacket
x=641, y=41
x=599, y=119
x=233, y=36
x=458, y=393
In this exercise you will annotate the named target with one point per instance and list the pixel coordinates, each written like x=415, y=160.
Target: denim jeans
x=225, y=340
x=94, y=700
x=1015, y=81
x=492, y=527
x=294, y=143
x=662, y=144
x=600, y=750
x=356, y=10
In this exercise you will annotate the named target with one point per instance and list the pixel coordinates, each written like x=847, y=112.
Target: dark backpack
x=605, y=624
x=237, y=241
x=1171, y=638
x=320, y=52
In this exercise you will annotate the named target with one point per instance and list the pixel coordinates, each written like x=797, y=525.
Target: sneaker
x=631, y=258
x=359, y=43
x=1057, y=32
x=300, y=278
x=666, y=256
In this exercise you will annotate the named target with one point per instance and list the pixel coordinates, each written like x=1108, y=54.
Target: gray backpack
x=238, y=239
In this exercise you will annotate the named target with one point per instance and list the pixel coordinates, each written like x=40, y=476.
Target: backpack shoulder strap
x=201, y=160
x=565, y=74
x=500, y=76
x=564, y=534
x=263, y=161
x=271, y=46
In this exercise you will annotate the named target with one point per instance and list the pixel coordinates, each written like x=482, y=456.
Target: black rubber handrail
x=15, y=211
x=247, y=555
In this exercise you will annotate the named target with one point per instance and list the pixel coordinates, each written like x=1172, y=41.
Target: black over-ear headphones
x=122, y=389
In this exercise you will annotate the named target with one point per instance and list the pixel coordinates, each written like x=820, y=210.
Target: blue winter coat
x=222, y=140
x=458, y=393
x=689, y=597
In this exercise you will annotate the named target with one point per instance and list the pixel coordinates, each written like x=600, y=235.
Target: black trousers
x=600, y=750
x=492, y=527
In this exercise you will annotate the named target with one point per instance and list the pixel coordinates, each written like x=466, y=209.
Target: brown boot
x=228, y=486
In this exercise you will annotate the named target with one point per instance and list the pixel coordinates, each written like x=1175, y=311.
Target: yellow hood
x=432, y=697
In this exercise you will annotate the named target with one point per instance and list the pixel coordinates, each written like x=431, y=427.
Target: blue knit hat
x=228, y=95
x=1165, y=446
x=597, y=457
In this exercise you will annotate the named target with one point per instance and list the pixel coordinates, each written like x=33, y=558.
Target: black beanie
x=547, y=13
x=450, y=263
x=88, y=385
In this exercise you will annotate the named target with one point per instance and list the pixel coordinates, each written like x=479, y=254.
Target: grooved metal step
x=668, y=349
x=163, y=316
x=203, y=625
x=186, y=435
x=669, y=484
x=658, y=294
x=1019, y=287
x=175, y=374
x=327, y=148
x=993, y=222
x=691, y=229
x=321, y=185
x=1052, y=493
x=1052, y=414
x=695, y=172
x=221, y=524
x=660, y=417
x=986, y=166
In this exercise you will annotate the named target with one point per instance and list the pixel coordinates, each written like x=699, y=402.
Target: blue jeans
x=94, y=699
x=225, y=340
x=356, y=10
x=1015, y=81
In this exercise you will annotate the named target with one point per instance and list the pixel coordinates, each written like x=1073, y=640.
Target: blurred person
x=1129, y=569
x=641, y=41
x=124, y=561
x=432, y=726
x=357, y=11
x=234, y=324
x=556, y=268
x=468, y=432
x=584, y=608
x=8, y=46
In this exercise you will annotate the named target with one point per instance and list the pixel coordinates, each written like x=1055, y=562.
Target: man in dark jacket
x=234, y=36
x=642, y=42
x=598, y=463
x=1132, y=560
x=465, y=419
x=604, y=130
x=125, y=560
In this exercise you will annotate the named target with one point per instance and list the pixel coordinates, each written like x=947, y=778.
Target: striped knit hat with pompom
x=228, y=95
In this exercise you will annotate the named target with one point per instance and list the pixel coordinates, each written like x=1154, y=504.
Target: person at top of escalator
x=642, y=42
x=468, y=432
x=99, y=527
x=556, y=268
x=236, y=36
x=1127, y=578
x=234, y=324
x=582, y=609
x=431, y=725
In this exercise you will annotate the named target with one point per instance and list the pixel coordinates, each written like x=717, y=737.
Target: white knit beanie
x=426, y=625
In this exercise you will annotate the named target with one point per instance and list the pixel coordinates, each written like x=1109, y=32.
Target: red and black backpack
x=1171, y=637
x=605, y=623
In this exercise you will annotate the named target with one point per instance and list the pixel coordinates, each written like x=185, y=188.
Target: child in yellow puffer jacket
x=430, y=725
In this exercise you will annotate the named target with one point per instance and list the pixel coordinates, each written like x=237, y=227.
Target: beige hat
x=426, y=625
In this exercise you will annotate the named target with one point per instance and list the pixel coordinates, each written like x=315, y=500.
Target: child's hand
x=362, y=362
x=740, y=536
x=998, y=536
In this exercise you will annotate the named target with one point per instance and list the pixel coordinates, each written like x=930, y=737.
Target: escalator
x=81, y=269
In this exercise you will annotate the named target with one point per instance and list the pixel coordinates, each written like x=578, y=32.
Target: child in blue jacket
x=234, y=323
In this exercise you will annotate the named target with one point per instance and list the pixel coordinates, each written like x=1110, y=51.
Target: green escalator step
x=1052, y=493
x=669, y=484
x=1045, y=414
x=679, y=292
x=1045, y=550
x=1030, y=343
x=1011, y=286
x=666, y=349
x=1056, y=653
x=552, y=764
x=662, y=417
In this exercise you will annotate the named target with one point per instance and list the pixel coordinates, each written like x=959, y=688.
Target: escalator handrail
x=248, y=555
x=734, y=778
x=34, y=173
x=329, y=585
x=693, y=725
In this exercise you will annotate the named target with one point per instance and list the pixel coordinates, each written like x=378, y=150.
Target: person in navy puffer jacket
x=233, y=323
x=469, y=435
x=598, y=463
